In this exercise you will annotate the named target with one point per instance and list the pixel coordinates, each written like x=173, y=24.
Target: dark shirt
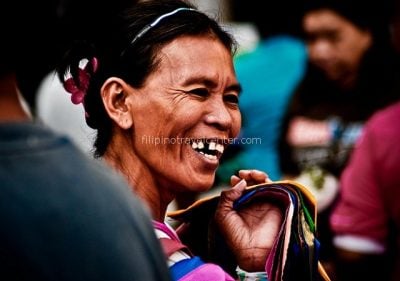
x=66, y=217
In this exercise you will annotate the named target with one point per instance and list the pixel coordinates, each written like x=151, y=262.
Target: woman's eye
x=231, y=98
x=199, y=92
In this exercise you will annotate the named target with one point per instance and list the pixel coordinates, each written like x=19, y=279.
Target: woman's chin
x=203, y=184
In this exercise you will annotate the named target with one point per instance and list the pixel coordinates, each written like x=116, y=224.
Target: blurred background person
x=366, y=219
x=63, y=216
x=353, y=71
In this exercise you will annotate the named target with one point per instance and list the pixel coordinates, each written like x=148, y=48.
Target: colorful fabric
x=295, y=253
x=187, y=267
x=250, y=276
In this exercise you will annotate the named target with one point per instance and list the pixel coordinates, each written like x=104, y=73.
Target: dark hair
x=52, y=24
x=29, y=59
x=373, y=15
x=133, y=62
x=116, y=55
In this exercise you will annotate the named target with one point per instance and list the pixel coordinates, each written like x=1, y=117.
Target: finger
x=235, y=180
x=239, y=187
x=256, y=176
x=228, y=196
x=225, y=204
x=244, y=174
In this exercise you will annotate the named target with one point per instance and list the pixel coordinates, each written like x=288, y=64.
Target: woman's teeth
x=210, y=149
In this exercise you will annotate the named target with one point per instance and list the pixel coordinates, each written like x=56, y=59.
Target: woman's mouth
x=209, y=148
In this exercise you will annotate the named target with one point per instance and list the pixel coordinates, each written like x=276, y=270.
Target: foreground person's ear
x=115, y=99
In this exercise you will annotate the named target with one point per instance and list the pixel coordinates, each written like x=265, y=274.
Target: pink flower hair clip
x=78, y=90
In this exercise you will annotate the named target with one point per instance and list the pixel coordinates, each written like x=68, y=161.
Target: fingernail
x=242, y=183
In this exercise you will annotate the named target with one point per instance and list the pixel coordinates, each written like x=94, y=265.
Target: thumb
x=230, y=195
x=225, y=215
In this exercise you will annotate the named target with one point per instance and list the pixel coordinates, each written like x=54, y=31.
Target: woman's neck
x=139, y=177
x=11, y=108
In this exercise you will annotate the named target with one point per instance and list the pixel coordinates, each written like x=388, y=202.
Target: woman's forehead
x=195, y=57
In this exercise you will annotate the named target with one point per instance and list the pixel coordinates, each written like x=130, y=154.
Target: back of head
x=52, y=24
x=20, y=21
x=128, y=48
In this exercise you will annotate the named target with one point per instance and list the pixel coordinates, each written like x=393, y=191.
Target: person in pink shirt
x=366, y=219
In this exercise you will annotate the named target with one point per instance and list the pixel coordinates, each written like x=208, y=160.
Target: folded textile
x=294, y=255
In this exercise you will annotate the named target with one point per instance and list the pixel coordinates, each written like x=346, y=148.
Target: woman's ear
x=115, y=96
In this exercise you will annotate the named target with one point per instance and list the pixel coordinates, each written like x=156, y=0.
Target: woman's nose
x=219, y=116
x=319, y=50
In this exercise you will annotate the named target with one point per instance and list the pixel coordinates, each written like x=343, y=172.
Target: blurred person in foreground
x=353, y=71
x=366, y=219
x=63, y=216
x=160, y=89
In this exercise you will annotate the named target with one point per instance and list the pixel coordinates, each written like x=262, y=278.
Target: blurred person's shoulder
x=389, y=115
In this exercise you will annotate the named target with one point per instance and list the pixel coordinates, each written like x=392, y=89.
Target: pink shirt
x=370, y=184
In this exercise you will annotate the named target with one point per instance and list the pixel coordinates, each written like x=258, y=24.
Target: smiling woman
x=160, y=88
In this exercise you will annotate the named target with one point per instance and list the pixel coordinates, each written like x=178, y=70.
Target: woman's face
x=186, y=113
x=335, y=44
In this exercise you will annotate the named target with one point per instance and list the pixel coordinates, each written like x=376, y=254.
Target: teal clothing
x=268, y=75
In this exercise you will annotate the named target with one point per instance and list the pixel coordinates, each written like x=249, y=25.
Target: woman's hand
x=251, y=231
x=251, y=177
